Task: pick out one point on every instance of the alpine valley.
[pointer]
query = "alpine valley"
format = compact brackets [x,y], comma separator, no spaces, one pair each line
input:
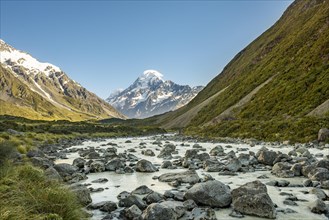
[277,88]
[151,95]
[252,144]
[36,90]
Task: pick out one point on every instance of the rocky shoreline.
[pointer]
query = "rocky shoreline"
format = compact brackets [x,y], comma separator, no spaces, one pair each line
[196,176]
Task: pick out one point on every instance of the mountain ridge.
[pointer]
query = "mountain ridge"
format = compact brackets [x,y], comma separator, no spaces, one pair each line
[294,51]
[31,86]
[150,95]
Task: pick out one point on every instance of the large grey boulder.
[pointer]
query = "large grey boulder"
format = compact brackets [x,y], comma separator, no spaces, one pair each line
[178,207]
[132,200]
[65,170]
[202,214]
[142,190]
[233,165]
[114,164]
[318,206]
[133,212]
[252,199]
[189,176]
[164,211]
[148,152]
[323,134]
[217,151]
[42,162]
[266,157]
[52,174]
[211,193]
[282,169]
[93,155]
[212,165]
[190,154]
[97,166]
[319,174]
[319,193]
[108,206]
[324,163]
[83,194]
[145,166]
[79,162]
[167,151]
[35,153]
[202,157]
[153,197]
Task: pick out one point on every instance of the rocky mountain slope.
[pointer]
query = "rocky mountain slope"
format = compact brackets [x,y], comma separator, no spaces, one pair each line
[37,90]
[151,95]
[275,88]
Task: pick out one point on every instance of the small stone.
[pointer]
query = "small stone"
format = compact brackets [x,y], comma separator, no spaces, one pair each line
[289,202]
[109,207]
[318,206]
[272,183]
[189,204]
[100,180]
[236,214]
[142,190]
[283,183]
[133,212]
[319,193]
[174,183]
[307,183]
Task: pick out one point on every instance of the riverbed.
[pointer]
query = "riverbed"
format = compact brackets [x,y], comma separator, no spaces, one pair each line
[130,181]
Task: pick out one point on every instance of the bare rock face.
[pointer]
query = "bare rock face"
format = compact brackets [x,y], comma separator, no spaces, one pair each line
[252,199]
[211,193]
[323,134]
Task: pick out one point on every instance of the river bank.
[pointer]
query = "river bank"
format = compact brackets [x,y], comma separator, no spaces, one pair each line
[109,167]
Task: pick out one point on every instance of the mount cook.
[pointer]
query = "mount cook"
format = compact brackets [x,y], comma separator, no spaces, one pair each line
[151,95]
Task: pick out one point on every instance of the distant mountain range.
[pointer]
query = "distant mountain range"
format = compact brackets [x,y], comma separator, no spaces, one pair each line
[151,95]
[36,90]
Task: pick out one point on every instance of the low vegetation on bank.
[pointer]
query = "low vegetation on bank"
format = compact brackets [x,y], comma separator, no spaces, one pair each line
[25,192]
[294,130]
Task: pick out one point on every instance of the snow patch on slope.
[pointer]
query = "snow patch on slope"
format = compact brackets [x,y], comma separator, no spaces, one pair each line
[27,61]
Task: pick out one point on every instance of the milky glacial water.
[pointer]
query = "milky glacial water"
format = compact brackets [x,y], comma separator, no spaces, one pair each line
[128,182]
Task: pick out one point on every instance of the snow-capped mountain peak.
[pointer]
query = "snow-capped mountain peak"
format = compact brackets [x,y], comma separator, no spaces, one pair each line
[11,55]
[45,89]
[150,94]
[150,74]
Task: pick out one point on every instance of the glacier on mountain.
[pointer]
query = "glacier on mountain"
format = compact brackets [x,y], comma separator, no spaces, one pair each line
[150,95]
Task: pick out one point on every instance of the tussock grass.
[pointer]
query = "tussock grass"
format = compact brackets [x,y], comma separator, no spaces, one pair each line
[25,192]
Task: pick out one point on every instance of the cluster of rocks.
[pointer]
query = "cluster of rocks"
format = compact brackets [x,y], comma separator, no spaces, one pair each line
[200,201]
[192,197]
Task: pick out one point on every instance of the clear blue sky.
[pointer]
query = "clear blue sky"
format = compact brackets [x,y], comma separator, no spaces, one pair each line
[106,45]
